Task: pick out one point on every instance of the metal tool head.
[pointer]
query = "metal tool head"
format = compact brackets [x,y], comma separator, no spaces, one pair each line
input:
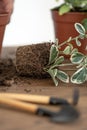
[65,115]
[62,101]
[75,96]
[68,112]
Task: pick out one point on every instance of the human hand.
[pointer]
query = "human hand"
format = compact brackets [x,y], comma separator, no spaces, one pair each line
[6,6]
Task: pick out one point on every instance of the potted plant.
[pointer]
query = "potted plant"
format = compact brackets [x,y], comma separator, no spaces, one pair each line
[76,58]
[4,20]
[64,18]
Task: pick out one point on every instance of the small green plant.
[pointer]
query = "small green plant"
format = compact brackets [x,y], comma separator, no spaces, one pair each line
[72,5]
[57,59]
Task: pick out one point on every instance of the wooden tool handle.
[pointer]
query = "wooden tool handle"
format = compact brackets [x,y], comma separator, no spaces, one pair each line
[30,98]
[18,104]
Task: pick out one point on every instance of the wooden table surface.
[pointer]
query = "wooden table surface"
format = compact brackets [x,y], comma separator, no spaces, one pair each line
[16,120]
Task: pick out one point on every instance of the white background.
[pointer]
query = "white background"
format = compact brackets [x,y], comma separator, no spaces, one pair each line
[31,22]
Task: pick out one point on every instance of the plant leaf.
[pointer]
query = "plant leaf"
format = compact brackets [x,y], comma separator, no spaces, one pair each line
[80,29]
[85,60]
[62,76]
[84,23]
[75,50]
[67,50]
[75,3]
[53,54]
[71,45]
[76,58]
[53,73]
[82,36]
[64,9]
[80,65]
[79,76]
[57,62]
[78,43]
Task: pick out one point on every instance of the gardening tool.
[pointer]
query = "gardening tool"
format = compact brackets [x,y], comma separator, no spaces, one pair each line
[67,113]
[43,99]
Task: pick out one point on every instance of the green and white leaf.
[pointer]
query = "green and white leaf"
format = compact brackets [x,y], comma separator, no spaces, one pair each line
[64,9]
[71,45]
[53,73]
[53,54]
[80,76]
[80,65]
[84,23]
[80,28]
[56,42]
[85,60]
[75,50]
[62,76]
[77,58]
[78,43]
[81,36]
[67,50]
[57,62]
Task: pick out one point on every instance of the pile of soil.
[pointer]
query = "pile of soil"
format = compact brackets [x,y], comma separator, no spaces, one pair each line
[29,62]
[7,72]
[9,75]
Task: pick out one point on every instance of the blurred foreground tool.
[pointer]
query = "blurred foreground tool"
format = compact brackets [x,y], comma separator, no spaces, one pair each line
[67,113]
[42,99]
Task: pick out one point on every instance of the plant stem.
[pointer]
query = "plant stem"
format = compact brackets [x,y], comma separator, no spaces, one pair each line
[68,69]
[67,64]
[65,42]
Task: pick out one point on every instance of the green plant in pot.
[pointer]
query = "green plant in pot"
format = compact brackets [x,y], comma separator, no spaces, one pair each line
[72,6]
[65,16]
[78,59]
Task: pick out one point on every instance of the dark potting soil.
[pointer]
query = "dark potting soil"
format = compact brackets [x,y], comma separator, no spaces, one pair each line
[7,72]
[29,62]
[31,59]
[9,75]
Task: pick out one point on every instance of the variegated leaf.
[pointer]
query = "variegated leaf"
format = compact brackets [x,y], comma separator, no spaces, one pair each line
[53,73]
[57,62]
[77,58]
[62,76]
[67,50]
[75,50]
[79,76]
[78,43]
[80,29]
[53,54]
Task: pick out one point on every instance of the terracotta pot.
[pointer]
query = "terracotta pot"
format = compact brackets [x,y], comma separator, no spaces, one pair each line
[4,19]
[64,27]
